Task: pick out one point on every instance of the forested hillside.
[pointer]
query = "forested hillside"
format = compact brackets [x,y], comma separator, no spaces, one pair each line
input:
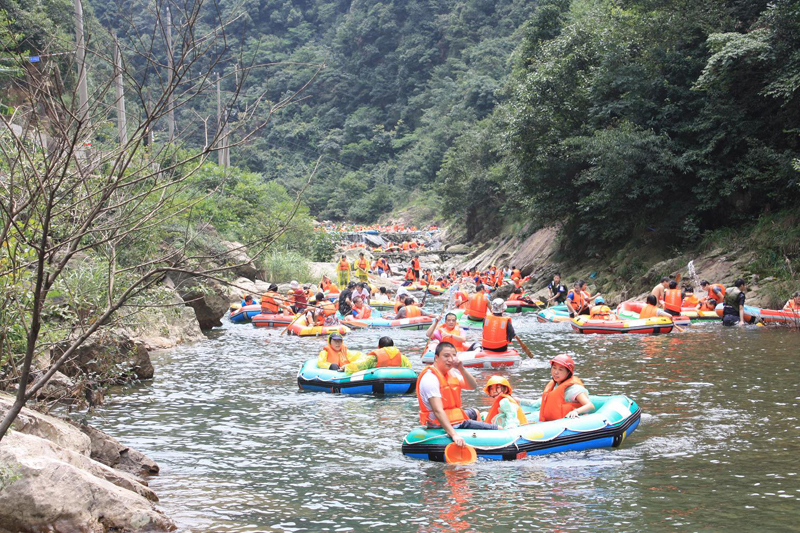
[621,119]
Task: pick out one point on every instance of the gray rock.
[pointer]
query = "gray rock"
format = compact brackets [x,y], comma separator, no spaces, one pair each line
[51,488]
[47,427]
[209,300]
[237,255]
[112,356]
[109,451]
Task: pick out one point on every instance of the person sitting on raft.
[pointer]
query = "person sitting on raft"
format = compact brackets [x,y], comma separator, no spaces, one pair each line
[478,304]
[385,356]
[689,299]
[273,303]
[659,290]
[600,311]
[564,396]
[673,299]
[448,332]
[248,300]
[298,297]
[506,410]
[498,332]
[360,309]
[383,295]
[410,310]
[714,296]
[439,395]
[651,309]
[323,312]
[793,304]
[335,354]
[576,300]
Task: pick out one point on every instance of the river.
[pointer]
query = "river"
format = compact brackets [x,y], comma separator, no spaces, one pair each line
[242,449]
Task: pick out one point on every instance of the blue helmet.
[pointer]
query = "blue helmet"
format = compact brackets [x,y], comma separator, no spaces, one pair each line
[599,300]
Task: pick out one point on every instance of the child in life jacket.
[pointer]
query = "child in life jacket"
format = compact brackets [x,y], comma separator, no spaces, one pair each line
[506,410]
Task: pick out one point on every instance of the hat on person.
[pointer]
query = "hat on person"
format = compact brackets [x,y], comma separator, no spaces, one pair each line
[294,284]
[335,336]
[498,306]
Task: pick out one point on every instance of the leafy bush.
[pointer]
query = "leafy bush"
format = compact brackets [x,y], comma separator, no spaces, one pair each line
[323,247]
[280,266]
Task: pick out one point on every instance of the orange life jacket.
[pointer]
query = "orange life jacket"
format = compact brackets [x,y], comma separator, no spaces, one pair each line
[389,356]
[412,311]
[426,278]
[450,388]
[673,300]
[791,306]
[447,336]
[362,264]
[712,294]
[397,305]
[410,274]
[494,332]
[343,265]
[334,357]
[600,312]
[553,405]
[649,311]
[269,304]
[364,312]
[415,263]
[690,301]
[490,416]
[516,274]
[412,245]
[405,245]
[462,300]
[328,309]
[578,301]
[476,307]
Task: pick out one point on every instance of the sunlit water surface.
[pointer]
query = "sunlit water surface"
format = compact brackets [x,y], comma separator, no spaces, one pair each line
[242,449]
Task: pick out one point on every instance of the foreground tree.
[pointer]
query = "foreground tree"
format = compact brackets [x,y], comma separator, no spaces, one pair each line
[72,189]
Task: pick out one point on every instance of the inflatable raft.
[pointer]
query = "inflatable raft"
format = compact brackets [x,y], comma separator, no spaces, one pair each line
[417,322]
[269,320]
[631,311]
[479,358]
[556,313]
[245,314]
[382,305]
[465,321]
[373,381]
[655,325]
[771,316]
[519,306]
[614,419]
[302,329]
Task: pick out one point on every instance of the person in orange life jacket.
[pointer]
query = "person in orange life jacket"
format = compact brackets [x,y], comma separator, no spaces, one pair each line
[343,271]
[335,354]
[461,300]
[558,291]
[714,295]
[651,309]
[506,410]
[733,310]
[576,300]
[498,332]
[516,274]
[689,299]
[448,332]
[601,311]
[362,267]
[410,310]
[415,266]
[519,295]
[298,297]
[793,304]
[346,299]
[409,277]
[478,304]
[272,302]
[360,309]
[660,289]
[564,396]
[673,299]
[386,355]
[324,312]
[439,395]
[326,285]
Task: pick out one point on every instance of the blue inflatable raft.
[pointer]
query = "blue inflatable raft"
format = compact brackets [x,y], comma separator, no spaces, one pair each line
[245,314]
[614,419]
[386,380]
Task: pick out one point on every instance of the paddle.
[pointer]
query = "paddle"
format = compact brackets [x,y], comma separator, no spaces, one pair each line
[460,455]
[524,347]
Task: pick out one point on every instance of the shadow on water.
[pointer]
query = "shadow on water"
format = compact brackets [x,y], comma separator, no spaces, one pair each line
[242,449]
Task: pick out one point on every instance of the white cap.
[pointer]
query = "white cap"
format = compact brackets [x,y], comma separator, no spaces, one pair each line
[294,284]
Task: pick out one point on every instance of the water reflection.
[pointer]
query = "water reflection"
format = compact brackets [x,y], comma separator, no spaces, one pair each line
[242,449]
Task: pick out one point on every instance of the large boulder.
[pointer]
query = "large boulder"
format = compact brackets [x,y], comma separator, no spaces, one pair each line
[46,487]
[109,451]
[108,357]
[241,263]
[47,427]
[208,298]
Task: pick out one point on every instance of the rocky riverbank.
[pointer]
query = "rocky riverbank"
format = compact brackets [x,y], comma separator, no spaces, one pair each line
[59,476]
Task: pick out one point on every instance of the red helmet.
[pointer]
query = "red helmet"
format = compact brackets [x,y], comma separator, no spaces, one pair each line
[564,360]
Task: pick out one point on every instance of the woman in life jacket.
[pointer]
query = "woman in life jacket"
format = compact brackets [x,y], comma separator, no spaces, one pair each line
[651,309]
[689,299]
[793,304]
[334,355]
[564,396]
[506,410]
[448,332]
[385,356]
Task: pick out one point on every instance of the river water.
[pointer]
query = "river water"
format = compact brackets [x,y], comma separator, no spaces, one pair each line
[242,449]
